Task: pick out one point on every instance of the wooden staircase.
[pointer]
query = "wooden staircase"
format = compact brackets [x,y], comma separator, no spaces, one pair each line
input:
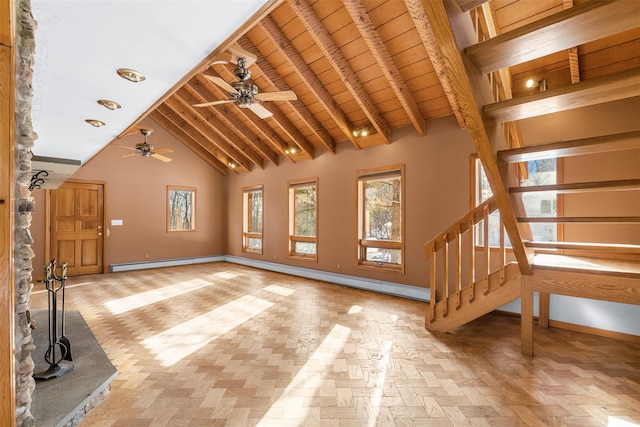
[467,280]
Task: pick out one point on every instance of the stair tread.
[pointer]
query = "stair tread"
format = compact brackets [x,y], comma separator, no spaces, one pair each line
[602,247]
[587,264]
[577,187]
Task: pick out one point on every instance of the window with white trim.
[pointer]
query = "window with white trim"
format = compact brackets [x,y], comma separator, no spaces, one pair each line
[303,219]
[381,218]
[252,207]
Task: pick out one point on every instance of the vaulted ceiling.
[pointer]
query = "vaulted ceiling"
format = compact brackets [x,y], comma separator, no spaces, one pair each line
[366,65]
[375,65]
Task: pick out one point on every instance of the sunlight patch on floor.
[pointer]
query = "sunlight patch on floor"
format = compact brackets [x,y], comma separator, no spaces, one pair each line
[122,305]
[173,345]
[279,290]
[619,422]
[311,378]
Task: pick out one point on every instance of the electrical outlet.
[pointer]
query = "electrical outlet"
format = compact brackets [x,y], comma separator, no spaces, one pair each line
[146,256]
[338,266]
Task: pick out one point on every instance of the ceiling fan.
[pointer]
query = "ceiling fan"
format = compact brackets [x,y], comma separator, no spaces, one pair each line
[147,150]
[245,94]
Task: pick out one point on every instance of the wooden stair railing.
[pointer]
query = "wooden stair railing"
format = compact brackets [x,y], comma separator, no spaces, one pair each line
[455,299]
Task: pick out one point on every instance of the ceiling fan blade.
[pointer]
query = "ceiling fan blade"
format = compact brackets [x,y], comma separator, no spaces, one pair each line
[128,148]
[209,104]
[129,155]
[260,111]
[224,85]
[162,150]
[284,95]
[161,158]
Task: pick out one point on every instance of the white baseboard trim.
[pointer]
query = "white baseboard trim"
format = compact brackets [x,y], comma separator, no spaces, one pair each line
[380,286]
[114,268]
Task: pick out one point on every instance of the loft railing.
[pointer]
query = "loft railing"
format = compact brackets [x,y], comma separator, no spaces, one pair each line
[456,249]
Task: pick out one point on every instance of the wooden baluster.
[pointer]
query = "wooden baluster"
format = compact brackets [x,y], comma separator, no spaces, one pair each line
[458,267]
[432,279]
[472,259]
[503,252]
[487,249]
[445,275]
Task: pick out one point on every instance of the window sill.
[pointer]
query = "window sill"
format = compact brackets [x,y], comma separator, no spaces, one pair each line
[381,268]
[307,258]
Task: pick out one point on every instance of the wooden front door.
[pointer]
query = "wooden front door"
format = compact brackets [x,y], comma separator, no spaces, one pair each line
[77,216]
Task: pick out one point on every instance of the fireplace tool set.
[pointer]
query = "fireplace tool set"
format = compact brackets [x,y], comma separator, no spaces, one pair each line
[58,354]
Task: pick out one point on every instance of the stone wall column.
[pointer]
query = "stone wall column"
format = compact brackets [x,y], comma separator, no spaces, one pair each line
[24,141]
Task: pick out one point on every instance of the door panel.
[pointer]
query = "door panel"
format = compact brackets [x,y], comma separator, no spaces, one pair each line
[76,227]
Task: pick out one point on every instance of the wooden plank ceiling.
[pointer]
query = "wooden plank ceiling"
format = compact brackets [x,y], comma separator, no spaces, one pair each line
[364,64]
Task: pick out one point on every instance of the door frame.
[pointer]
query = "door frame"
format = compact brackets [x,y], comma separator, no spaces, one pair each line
[47,221]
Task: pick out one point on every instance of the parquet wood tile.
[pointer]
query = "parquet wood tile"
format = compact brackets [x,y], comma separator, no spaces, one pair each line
[227,345]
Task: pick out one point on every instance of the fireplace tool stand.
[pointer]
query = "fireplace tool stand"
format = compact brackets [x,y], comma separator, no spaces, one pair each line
[58,354]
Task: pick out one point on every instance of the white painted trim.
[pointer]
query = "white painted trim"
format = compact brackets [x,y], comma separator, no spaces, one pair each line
[380,286]
[114,268]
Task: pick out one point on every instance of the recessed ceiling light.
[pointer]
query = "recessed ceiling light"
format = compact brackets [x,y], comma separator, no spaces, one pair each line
[131,75]
[111,105]
[96,123]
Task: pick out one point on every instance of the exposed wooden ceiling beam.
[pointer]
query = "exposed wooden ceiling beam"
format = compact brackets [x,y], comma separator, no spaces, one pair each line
[176,131]
[289,52]
[341,66]
[592,20]
[173,112]
[416,10]
[273,78]
[236,125]
[434,17]
[588,92]
[189,97]
[377,48]
[208,132]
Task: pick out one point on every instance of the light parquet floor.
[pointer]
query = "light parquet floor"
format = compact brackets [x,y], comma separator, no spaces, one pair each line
[227,345]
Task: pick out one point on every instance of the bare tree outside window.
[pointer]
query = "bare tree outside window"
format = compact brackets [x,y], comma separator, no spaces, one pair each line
[181,208]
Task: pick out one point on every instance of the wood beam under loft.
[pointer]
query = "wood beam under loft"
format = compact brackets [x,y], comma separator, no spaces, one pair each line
[271,30]
[589,92]
[384,60]
[330,50]
[440,33]
[592,20]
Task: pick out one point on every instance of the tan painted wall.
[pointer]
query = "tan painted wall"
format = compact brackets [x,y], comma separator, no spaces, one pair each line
[437,192]
[136,193]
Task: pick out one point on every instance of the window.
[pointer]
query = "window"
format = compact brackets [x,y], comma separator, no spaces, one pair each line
[536,204]
[252,208]
[303,219]
[381,218]
[181,208]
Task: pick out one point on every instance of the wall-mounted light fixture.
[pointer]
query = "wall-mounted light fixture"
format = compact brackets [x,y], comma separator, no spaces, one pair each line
[95,123]
[111,105]
[232,164]
[291,150]
[542,84]
[131,75]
